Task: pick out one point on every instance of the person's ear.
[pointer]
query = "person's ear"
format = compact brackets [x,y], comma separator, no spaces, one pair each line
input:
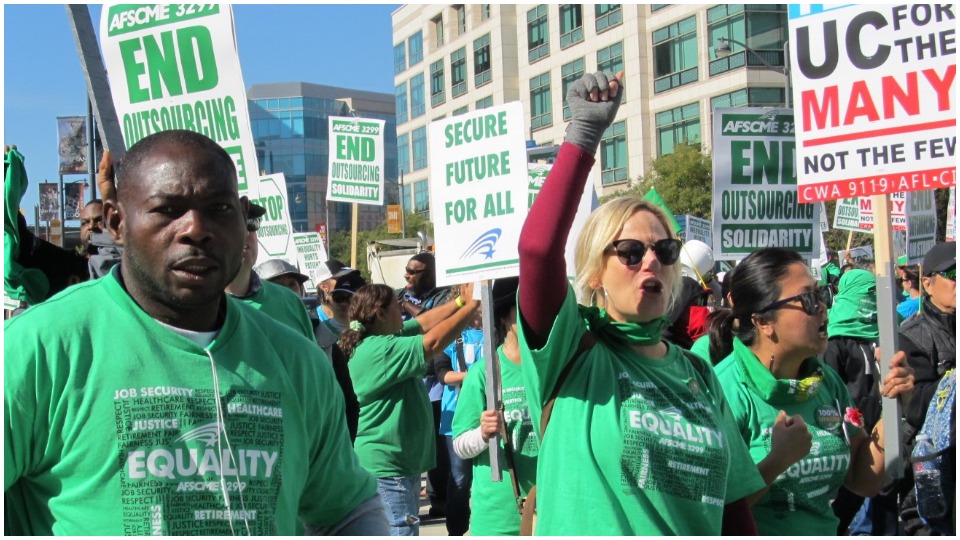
[764,325]
[113,220]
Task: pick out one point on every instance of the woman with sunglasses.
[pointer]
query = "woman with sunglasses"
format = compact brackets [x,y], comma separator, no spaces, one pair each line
[387,361]
[640,439]
[794,412]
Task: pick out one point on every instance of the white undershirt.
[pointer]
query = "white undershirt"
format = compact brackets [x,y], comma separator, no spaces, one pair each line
[200,338]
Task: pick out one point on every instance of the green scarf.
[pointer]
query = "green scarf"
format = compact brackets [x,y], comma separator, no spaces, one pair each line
[778,391]
[643,334]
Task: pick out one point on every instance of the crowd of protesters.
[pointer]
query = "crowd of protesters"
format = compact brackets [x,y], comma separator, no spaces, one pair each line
[279,411]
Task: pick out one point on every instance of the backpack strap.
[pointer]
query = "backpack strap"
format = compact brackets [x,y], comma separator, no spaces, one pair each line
[528,506]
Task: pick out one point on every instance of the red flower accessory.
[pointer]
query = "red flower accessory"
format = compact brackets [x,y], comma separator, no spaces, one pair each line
[854,416]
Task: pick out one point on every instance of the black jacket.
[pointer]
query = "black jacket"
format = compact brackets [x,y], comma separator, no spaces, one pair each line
[929,339]
[853,359]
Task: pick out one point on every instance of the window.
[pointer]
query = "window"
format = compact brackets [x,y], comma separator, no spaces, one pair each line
[420,148]
[418,103]
[750,97]
[676,126]
[437,87]
[613,154]
[570,73]
[421,196]
[657,7]
[484,12]
[481,61]
[403,153]
[405,198]
[399,58]
[675,55]
[462,110]
[611,59]
[608,16]
[438,30]
[458,72]
[538,34]
[415,47]
[541,111]
[571,24]
[484,103]
[461,19]
[401,98]
[763,27]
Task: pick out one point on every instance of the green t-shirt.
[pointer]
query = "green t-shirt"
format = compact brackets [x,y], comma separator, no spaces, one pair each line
[395,435]
[636,446]
[701,347]
[798,501]
[282,305]
[111,423]
[493,508]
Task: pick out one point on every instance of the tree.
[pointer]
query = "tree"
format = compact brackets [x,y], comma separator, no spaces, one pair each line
[340,240]
[684,179]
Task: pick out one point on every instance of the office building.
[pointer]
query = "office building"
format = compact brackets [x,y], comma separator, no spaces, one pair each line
[289,122]
[449,59]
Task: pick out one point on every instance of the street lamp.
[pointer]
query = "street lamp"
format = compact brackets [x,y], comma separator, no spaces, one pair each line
[722,49]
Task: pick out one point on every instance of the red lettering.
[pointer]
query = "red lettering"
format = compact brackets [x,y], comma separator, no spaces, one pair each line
[819,112]
[860,104]
[942,86]
[909,99]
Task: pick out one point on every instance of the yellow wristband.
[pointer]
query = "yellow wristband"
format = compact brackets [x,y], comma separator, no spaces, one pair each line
[459,302]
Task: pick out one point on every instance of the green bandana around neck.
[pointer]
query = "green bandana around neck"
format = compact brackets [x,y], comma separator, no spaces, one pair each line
[643,334]
[778,391]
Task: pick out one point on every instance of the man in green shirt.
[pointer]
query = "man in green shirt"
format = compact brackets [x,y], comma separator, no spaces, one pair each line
[165,406]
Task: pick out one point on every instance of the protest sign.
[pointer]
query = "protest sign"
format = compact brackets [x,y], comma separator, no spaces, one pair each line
[873,87]
[175,66]
[478,192]
[695,228]
[898,216]
[824,222]
[921,224]
[846,216]
[588,202]
[855,254]
[755,201]
[311,256]
[356,160]
[275,235]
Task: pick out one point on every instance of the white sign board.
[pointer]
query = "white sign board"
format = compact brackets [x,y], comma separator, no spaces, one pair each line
[755,201]
[921,224]
[175,66]
[275,235]
[696,228]
[588,203]
[356,160]
[311,255]
[846,216]
[951,232]
[898,215]
[874,92]
[478,192]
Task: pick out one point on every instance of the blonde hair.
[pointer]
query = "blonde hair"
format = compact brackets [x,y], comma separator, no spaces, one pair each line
[601,228]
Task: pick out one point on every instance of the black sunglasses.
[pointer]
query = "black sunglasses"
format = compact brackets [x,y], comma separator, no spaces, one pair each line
[950,273]
[631,252]
[810,301]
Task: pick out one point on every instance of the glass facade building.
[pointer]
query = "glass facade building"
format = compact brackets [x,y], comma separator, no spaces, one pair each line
[289,123]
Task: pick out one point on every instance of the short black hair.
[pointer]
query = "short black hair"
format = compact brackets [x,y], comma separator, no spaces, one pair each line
[134,157]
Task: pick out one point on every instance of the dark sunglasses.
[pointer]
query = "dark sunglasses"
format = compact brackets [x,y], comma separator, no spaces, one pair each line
[413,272]
[950,274]
[631,252]
[341,298]
[810,301]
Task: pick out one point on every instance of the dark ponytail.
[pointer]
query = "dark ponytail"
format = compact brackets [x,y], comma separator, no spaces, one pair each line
[366,307]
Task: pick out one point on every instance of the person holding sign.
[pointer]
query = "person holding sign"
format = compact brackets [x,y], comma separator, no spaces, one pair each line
[387,361]
[641,439]
[794,412]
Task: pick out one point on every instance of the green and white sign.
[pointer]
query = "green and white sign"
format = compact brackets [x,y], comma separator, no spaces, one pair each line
[478,192]
[175,66]
[696,228]
[311,255]
[755,202]
[276,232]
[588,203]
[921,224]
[847,215]
[356,160]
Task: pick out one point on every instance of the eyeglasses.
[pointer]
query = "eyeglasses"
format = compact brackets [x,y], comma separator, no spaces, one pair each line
[950,273]
[413,272]
[631,252]
[810,301]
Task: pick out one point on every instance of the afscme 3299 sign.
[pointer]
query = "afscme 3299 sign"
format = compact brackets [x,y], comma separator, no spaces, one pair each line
[875,89]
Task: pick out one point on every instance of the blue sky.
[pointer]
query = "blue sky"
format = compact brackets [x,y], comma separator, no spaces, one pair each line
[349,46]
